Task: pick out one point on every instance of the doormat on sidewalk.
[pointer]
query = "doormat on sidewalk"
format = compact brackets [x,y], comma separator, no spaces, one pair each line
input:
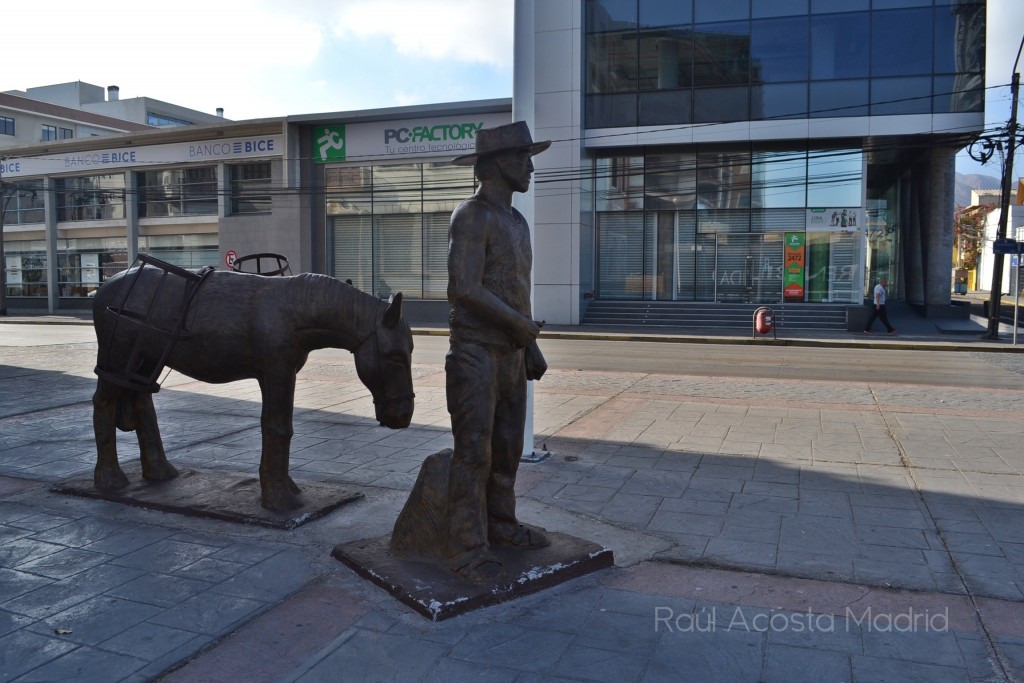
[438,594]
[215,494]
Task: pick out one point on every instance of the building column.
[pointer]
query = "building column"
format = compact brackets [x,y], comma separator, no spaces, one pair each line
[131,214]
[52,257]
[911,220]
[938,230]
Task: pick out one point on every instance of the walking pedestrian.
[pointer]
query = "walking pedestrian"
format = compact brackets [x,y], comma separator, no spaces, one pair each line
[878,310]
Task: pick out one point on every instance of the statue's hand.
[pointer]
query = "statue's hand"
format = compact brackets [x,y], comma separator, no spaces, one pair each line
[525,333]
[536,366]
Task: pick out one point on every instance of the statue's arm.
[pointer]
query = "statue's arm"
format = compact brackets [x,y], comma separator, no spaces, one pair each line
[467,250]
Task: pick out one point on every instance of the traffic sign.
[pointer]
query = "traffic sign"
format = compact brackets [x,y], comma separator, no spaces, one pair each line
[1006,245]
[230,257]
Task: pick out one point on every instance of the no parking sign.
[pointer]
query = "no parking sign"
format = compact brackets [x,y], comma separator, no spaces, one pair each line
[230,256]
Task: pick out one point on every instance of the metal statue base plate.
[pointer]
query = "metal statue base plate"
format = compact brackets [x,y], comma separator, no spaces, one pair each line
[438,594]
[215,494]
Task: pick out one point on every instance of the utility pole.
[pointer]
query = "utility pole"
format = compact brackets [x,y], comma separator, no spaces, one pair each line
[1004,206]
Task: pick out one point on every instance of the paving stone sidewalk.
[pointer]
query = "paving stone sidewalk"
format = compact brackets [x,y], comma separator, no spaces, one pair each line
[775,530]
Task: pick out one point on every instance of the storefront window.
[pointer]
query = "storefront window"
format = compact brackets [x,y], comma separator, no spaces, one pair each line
[250,188]
[90,198]
[187,251]
[26,267]
[620,183]
[713,223]
[178,192]
[23,202]
[84,264]
[387,226]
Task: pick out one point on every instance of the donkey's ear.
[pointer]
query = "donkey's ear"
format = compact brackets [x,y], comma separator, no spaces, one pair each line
[394,311]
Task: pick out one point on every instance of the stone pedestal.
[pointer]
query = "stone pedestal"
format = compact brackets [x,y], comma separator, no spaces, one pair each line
[215,494]
[439,594]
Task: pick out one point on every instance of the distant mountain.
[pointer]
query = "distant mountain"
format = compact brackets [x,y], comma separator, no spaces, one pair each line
[966,183]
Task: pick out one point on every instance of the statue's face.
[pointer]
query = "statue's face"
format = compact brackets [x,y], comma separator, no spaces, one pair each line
[516,168]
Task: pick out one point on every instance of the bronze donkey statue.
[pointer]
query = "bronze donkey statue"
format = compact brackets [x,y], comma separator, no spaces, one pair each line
[236,326]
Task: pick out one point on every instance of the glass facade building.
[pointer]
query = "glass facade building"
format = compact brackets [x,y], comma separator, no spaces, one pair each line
[764,151]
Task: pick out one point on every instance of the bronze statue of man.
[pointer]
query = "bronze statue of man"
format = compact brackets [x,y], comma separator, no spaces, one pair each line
[493,352]
[463,502]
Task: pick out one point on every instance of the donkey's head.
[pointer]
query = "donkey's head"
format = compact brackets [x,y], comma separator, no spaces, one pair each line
[384,364]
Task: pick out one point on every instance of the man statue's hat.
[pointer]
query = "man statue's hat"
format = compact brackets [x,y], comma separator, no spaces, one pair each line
[512,137]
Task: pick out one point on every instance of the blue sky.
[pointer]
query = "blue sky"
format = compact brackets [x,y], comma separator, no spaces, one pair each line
[261,58]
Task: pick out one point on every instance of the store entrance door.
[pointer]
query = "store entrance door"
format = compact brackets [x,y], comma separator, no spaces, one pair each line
[748,268]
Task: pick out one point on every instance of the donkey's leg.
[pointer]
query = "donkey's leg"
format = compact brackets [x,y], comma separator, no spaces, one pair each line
[151,447]
[278,489]
[108,475]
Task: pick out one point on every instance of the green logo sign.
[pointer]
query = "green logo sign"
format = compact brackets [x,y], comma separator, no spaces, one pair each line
[328,143]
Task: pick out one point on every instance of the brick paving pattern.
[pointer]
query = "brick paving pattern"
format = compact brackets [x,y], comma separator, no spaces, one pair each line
[764,530]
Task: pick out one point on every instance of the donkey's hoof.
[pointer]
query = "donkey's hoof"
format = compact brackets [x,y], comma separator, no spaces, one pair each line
[159,472]
[109,478]
[281,498]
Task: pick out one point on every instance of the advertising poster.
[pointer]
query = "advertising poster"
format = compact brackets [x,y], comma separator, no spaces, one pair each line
[794,267]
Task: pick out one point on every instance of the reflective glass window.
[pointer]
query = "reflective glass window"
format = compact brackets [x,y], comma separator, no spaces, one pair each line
[834,178]
[912,95]
[612,62]
[445,185]
[779,50]
[723,179]
[778,101]
[901,42]
[720,10]
[839,98]
[899,4]
[666,107]
[779,179]
[661,13]
[959,39]
[839,46]
[620,183]
[188,251]
[958,93]
[396,189]
[24,202]
[720,105]
[670,181]
[666,59]
[721,54]
[610,15]
[834,6]
[760,9]
[85,263]
[178,192]
[90,198]
[607,111]
[250,187]
[26,267]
